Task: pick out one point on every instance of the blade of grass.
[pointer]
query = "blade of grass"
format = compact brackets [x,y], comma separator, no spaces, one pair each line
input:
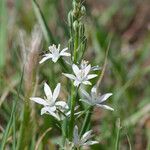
[14,131]
[3,32]
[118,135]
[105,64]
[41,137]
[6,133]
[130,147]
[40,17]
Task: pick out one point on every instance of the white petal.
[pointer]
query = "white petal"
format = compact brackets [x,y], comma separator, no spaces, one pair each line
[62,104]
[86,94]
[86,101]
[58,47]
[52,113]
[45,58]
[70,76]
[94,93]
[75,136]
[65,49]
[52,47]
[76,83]
[104,97]
[94,90]
[47,91]
[55,58]
[56,92]
[87,82]
[68,113]
[43,111]
[90,143]
[87,69]
[91,76]
[39,100]
[105,107]
[65,54]
[47,55]
[76,70]
[86,136]
[94,68]
[47,109]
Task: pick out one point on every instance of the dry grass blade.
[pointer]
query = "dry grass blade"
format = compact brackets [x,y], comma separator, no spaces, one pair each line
[130,147]
[7,90]
[40,17]
[104,66]
[40,139]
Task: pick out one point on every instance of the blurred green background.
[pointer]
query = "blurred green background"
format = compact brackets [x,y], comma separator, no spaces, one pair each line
[127,75]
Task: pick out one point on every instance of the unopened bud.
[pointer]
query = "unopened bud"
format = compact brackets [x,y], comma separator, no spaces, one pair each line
[75,25]
[83,10]
[81,29]
[70,18]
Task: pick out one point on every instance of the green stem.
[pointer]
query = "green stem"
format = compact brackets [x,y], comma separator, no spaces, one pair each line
[118,135]
[86,121]
[14,131]
[73,102]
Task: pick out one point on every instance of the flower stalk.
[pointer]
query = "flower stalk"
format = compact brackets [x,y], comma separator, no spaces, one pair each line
[73,102]
[86,121]
[65,113]
[74,21]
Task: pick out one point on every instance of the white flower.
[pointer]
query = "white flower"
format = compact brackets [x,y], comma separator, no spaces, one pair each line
[84,64]
[96,99]
[55,53]
[81,75]
[84,140]
[49,102]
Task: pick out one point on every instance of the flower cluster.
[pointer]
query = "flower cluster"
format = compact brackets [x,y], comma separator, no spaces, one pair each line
[59,109]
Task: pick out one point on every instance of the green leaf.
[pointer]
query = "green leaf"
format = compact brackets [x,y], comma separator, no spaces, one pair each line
[40,17]
[3,32]
[118,134]
[9,125]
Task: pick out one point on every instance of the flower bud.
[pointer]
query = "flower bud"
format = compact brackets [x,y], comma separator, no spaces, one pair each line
[70,18]
[74,3]
[70,45]
[75,25]
[83,10]
[81,29]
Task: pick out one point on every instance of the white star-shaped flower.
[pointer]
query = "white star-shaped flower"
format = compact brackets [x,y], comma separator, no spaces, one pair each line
[81,75]
[55,53]
[49,101]
[84,140]
[96,99]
